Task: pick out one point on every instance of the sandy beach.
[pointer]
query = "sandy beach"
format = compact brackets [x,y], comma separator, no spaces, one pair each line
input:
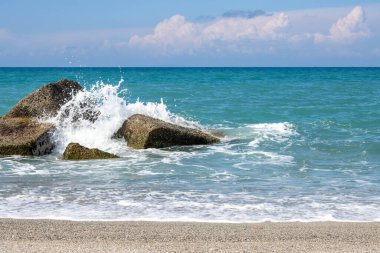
[70,236]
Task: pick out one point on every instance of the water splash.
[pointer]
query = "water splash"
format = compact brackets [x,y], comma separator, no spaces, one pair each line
[93,116]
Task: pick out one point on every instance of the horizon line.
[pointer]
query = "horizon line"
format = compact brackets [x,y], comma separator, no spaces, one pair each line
[4,67]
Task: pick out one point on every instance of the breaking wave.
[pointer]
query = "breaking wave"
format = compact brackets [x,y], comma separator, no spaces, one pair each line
[93,116]
[240,179]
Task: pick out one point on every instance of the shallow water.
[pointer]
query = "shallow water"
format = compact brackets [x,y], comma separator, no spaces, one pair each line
[300,144]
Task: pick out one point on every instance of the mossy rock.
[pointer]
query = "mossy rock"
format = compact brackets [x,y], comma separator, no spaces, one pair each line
[74,151]
[142,132]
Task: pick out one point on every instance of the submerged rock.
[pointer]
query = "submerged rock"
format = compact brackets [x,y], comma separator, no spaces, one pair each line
[74,151]
[46,101]
[143,132]
[24,136]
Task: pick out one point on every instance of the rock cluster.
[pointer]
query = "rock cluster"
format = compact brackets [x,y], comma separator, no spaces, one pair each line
[22,134]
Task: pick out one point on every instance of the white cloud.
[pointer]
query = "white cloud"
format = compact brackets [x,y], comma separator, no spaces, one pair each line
[236,29]
[178,35]
[347,29]
[234,38]
[175,33]
[243,32]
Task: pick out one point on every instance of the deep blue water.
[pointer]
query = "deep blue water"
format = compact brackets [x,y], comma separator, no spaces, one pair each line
[300,144]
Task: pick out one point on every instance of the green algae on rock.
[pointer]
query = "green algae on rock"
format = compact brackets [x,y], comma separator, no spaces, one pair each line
[142,132]
[74,151]
[24,136]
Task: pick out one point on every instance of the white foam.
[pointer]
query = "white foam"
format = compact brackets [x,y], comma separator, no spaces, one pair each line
[188,184]
[259,144]
[23,168]
[107,101]
[223,176]
[276,132]
[148,172]
[180,205]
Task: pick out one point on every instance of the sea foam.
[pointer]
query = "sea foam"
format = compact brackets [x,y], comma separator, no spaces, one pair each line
[264,170]
[93,116]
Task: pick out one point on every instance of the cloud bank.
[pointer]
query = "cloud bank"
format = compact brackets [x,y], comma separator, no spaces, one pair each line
[244,30]
[178,35]
[314,37]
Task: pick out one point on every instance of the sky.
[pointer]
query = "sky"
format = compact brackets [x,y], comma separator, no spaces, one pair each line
[183,33]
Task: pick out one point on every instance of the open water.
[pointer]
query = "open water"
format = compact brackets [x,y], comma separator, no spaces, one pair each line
[299,144]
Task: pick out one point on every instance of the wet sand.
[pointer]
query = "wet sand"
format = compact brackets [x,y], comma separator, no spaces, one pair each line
[18,235]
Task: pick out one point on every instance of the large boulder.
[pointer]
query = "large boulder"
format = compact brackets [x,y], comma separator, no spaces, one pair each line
[143,132]
[46,101]
[23,136]
[74,151]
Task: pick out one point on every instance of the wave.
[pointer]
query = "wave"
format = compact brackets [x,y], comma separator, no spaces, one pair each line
[183,206]
[245,178]
[93,116]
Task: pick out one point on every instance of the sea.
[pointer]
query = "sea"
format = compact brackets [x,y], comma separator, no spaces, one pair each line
[298,144]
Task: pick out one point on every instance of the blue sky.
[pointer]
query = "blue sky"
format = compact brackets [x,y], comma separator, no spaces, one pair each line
[189,33]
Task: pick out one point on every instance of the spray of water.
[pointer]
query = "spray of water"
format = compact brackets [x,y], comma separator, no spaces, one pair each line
[93,116]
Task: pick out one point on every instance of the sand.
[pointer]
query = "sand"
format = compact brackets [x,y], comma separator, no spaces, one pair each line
[18,235]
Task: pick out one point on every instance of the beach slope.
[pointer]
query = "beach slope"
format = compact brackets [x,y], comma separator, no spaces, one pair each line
[19,235]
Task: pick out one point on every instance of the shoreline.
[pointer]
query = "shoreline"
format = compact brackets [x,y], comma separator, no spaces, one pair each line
[42,235]
[67,219]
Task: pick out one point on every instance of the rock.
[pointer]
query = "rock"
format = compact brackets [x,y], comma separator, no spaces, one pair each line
[74,151]
[143,132]
[24,136]
[46,101]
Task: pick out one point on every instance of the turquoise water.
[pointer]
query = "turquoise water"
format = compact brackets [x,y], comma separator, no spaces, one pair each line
[300,144]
